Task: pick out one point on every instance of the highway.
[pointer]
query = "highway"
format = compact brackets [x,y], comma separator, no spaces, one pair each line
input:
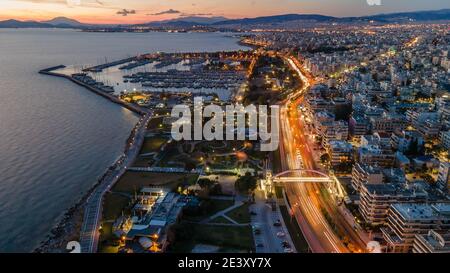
[307,206]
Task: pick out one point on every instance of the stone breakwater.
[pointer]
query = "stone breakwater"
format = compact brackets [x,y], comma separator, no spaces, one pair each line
[68,228]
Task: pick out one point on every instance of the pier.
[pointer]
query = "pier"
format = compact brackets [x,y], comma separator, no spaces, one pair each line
[134,108]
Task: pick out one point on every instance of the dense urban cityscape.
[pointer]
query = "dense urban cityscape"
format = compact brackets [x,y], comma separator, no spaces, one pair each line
[363,128]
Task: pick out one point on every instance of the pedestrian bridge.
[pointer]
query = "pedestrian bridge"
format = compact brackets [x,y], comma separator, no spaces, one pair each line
[300,176]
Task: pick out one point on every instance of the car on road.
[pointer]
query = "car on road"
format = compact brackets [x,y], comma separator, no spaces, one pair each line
[260,245]
[256,229]
[277,223]
[253,213]
[285,244]
[288,250]
[281,234]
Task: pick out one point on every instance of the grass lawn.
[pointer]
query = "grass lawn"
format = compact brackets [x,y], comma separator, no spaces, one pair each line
[106,240]
[240,214]
[171,158]
[113,204]
[294,230]
[134,181]
[220,220]
[218,205]
[143,162]
[235,237]
[213,206]
[108,249]
[152,144]
[155,122]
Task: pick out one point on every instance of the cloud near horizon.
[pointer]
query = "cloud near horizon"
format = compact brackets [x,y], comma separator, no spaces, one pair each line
[126,12]
[169,11]
[105,11]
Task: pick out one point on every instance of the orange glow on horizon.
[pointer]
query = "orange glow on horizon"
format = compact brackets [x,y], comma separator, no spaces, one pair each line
[105,11]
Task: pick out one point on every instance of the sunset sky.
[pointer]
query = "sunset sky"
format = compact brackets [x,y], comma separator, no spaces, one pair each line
[106,11]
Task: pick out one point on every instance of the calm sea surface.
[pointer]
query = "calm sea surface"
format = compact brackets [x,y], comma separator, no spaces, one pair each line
[56,138]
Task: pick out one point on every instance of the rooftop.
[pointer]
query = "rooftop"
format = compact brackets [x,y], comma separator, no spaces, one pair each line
[416,211]
[438,240]
[340,145]
[391,189]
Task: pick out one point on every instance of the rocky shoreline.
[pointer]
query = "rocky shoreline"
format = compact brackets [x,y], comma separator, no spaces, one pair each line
[69,227]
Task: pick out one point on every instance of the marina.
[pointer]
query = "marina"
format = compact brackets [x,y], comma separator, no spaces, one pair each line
[96,87]
[53,136]
[219,74]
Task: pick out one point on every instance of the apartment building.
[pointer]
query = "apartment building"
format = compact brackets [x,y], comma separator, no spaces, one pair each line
[406,220]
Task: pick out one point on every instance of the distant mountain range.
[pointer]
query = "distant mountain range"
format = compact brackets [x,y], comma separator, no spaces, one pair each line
[21,24]
[59,22]
[434,15]
[63,22]
[194,19]
[277,19]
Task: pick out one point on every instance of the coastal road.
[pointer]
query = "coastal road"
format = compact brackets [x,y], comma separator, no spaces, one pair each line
[90,230]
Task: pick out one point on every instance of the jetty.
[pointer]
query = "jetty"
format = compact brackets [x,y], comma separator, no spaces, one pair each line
[99,90]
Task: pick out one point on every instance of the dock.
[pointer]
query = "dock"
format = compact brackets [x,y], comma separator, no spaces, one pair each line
[134,108]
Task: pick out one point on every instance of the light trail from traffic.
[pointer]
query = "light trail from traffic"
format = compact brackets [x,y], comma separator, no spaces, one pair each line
[307,210]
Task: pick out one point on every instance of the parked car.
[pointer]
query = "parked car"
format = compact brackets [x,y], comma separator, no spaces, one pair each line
[288,250]
[277,223]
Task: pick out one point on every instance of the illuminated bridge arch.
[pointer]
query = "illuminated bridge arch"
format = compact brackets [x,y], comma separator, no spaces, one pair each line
[301,176]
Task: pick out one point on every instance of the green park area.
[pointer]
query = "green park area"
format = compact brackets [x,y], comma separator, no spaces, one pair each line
[132,181]
[209,208]
[153,144]
[241,214]
[236,238]
[150,149]
[220,220]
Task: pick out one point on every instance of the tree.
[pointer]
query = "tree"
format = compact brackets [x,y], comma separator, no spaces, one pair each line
[343,112]
[205,183]
[413,147]
[246,183]
[325,158]
[189,166]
